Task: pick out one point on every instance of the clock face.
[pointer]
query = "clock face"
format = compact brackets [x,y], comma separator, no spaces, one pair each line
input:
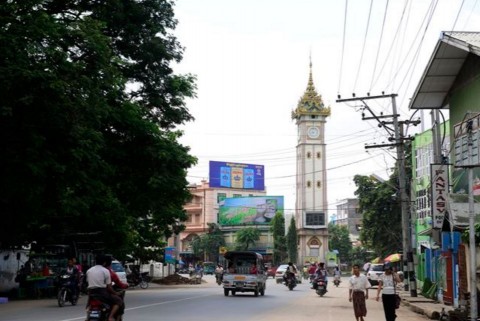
[313,132]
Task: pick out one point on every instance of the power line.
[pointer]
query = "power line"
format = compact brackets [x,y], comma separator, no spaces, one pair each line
[363,47]
[379,44]
[343,46]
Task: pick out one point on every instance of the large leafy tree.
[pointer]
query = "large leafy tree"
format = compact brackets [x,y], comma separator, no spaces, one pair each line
[246,237]
[381,215]
[277,227]
[339,239]
[88,110]
[292,241]
[208,245]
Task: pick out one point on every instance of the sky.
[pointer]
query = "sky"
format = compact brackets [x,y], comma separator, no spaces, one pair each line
[251,59]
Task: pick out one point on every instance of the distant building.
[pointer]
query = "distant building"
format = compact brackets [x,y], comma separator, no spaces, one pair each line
[348,214]
[204,207]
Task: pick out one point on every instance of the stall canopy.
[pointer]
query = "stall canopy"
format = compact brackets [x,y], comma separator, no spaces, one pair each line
[393,258]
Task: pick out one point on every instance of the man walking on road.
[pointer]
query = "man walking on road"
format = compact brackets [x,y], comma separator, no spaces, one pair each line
[358,293]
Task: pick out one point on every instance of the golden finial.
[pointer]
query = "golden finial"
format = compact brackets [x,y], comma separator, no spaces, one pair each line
[311,102]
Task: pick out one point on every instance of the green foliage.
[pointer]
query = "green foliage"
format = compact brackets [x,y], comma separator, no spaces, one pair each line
[466,235]
[208,245]
[88,110]
[246,237]
[277,227]
[381,215]
[339,239]
[292,241]
[359,255]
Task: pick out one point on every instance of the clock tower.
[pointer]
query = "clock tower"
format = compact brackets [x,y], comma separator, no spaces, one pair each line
[311,180]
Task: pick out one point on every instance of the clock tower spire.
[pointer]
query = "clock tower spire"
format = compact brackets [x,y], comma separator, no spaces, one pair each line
[311,182]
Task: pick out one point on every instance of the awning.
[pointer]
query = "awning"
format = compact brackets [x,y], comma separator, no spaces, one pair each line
[448,58]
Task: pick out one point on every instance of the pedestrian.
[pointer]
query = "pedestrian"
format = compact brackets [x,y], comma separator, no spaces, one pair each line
[358,293]
[386,286]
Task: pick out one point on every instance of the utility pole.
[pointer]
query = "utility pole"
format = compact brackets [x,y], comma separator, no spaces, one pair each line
[471,220]
[398,142]
[471,227]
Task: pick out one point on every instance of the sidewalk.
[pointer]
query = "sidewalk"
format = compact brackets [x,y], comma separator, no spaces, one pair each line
[423,305]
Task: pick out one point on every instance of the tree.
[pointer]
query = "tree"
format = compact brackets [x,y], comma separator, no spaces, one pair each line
[339,239]
[277,227]
[292,241]
[88,110]
[246,237]
[380,208]
[208,245]
[360,255]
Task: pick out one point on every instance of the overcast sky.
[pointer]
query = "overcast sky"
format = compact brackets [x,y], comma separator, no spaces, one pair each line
[251,58]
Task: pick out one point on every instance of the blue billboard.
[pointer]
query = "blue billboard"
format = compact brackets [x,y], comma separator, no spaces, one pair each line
[237,175]
[249,210]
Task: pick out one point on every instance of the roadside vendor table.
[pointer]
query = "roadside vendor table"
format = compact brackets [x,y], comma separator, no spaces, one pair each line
[40,286]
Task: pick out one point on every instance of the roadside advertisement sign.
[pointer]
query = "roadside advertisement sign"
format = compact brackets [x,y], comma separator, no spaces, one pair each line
[237,175]
[170,255]
[439,183]
[249,210]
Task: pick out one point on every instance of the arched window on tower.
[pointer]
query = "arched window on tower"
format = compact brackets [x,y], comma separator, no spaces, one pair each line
[319,154]
[309,155]
[309,184]
[314,246]
[319,184]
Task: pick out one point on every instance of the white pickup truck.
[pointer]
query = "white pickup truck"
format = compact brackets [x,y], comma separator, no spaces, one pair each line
[245,272]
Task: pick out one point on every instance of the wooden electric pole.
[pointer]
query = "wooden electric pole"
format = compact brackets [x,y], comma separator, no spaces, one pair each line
[398,142]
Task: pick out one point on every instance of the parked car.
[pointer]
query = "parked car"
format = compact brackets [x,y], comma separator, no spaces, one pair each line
[118,268]
[281,271]
[374,273]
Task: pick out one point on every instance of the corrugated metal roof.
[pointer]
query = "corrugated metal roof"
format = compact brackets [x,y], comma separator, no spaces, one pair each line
[445,63]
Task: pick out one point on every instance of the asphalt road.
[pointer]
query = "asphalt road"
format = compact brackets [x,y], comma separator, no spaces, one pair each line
[207,302]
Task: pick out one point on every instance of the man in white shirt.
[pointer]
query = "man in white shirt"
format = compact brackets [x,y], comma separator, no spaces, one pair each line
[358,292]
[100,285]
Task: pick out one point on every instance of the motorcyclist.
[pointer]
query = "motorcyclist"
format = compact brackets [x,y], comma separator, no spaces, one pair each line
[118,285]
[290,272]
[320,274]
[219,273]
[337,273]
[311,271]
[100,285]
[74,277]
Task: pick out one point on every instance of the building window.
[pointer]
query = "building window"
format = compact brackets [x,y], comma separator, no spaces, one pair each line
[309,184]
[309,155]
[319,184]
[315,218]
[221,197]
[318,154]
[237,195]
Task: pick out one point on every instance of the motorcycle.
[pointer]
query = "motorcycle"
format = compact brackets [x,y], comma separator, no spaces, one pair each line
[97,310]
[290,282]
[336,281]
[136,278]
[65,293]
[219,278]
[321,287]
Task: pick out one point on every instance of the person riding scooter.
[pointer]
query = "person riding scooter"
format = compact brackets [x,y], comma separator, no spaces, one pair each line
[290,273]
[336,276]
[219,274]
[320,274]
[100,286]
